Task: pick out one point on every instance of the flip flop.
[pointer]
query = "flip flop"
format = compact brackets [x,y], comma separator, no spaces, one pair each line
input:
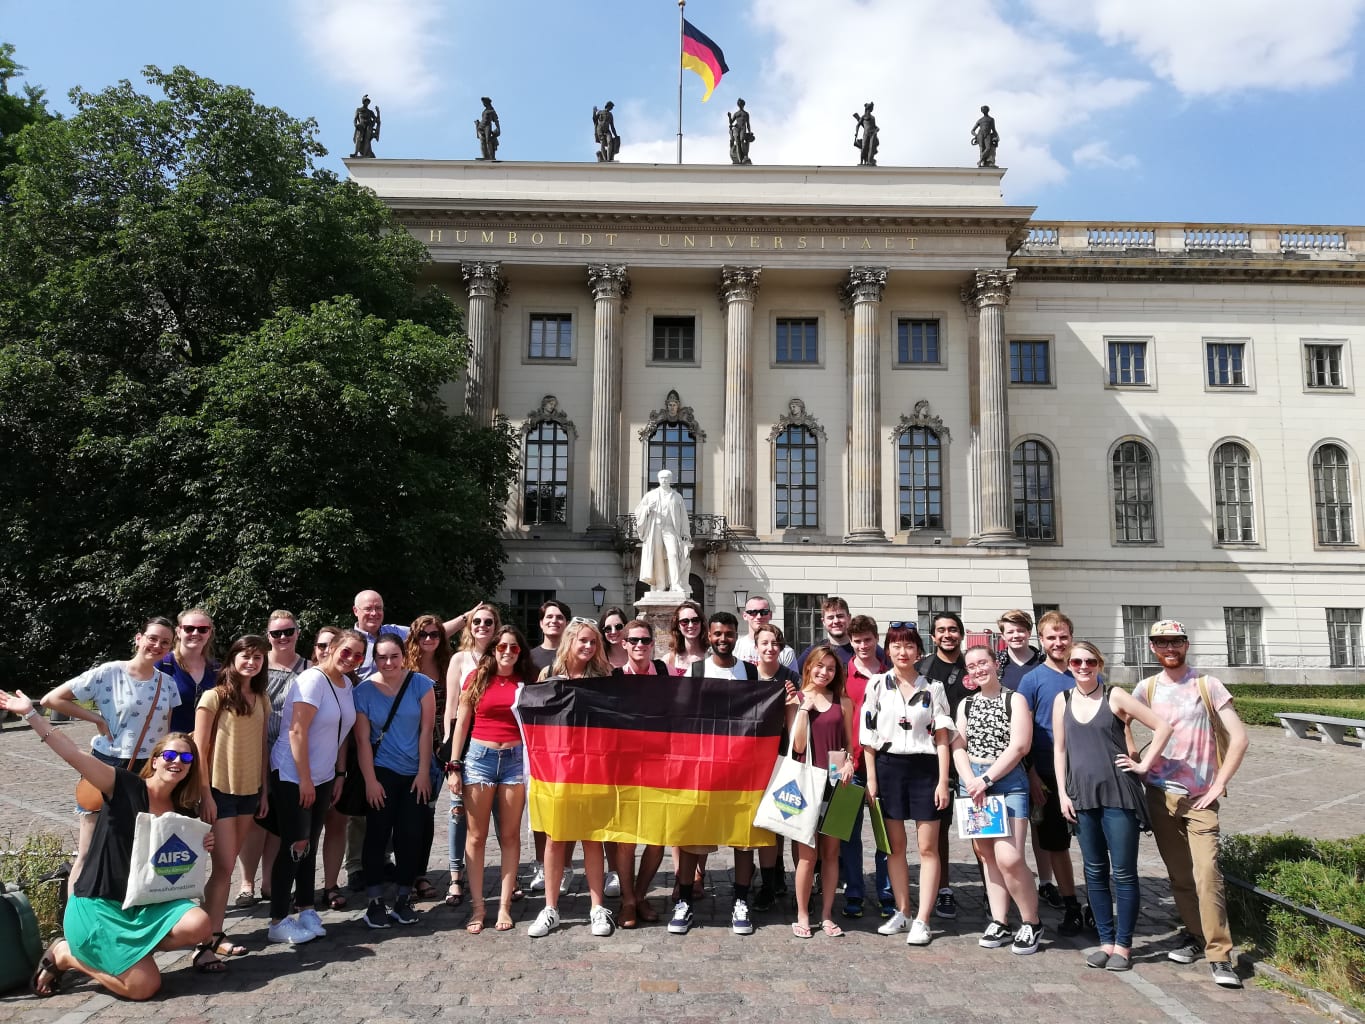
[335,898]
[220,940]
[245,898]
[831,929]
[801,931]
[47,965]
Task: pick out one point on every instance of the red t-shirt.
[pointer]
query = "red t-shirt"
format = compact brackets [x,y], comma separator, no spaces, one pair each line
[855,687]
[493,718]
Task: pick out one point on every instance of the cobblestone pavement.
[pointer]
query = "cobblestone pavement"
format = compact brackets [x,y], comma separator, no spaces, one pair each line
[435,971]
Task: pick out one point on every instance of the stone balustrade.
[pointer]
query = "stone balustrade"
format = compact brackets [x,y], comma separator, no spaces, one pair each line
[1073,237]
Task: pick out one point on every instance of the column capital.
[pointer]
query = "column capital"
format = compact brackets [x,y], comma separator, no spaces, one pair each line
[608,280]
[738,284]
[483,278]
[864,284]
[989,288]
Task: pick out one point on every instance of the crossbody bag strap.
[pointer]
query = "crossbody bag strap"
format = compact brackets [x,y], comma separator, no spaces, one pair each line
[146,722]
[393,710]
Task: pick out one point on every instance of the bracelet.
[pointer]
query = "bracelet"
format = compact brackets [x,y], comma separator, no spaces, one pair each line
[341,774]
[32,713]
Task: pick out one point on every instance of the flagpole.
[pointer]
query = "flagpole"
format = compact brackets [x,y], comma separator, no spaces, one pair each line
[681,4]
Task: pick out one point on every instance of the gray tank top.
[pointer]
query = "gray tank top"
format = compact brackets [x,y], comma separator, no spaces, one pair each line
[1093,781]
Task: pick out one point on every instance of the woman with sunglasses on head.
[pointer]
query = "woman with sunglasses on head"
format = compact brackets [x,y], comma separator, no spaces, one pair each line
[1103,794]
[134,701]
[613,632]
[282,664]
[994,732]
[395,721]
[689,637]
[428,652]
[492,771]
[906,727]
[305,764]
[230,734]
[191,664]
[770,646]
[580,656]
[480,627]
[114,946]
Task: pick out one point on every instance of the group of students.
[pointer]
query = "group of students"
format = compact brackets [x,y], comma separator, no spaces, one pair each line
[262,747]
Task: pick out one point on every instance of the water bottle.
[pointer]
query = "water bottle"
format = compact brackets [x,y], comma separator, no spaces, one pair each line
[456,807]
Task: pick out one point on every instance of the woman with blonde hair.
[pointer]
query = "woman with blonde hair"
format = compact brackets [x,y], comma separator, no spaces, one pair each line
[191,664]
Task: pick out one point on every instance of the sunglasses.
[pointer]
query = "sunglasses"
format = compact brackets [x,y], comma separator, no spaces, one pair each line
[912,626]
[196,629]
[636,641]
[613,629]
[348,654]
[1083,662]
[484,622]
[431,634]
[580,620]
[322,645]
[171,756]
[280,634]
[691,621]
[508,648]
[758,611]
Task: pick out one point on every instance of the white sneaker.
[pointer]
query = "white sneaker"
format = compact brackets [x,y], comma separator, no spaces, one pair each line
[919,934]
[566,881]
[546,922]
[310,920]
[897,922]
[538,879]
[289,930]
[613,886]
[602,924]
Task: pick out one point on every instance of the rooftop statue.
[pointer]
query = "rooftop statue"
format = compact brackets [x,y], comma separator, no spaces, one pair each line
[487,129]
[367,125]
[740,135]
[985,138]
[604,131]
[865,137]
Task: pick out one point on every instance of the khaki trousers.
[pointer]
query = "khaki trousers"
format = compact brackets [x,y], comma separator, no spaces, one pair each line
[1188,842]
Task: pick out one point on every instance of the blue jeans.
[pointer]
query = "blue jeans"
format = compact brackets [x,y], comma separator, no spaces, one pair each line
[851,864]
[1109,845]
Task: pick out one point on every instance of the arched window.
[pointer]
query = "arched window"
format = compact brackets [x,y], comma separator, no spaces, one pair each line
[1034,497]
[1234,508]
[673,446]
[1332,495]
[1134,494]
[545,498]
[796,486]
[919,470]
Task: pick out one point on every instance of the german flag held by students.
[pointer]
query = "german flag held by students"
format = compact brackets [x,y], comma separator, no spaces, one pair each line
[666,760]
[701,55]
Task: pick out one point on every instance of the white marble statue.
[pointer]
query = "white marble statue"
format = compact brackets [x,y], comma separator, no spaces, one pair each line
[665,540]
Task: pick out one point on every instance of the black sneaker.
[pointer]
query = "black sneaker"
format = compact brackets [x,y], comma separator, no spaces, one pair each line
[995,936]
[1051,895]
[945,906]
[764,899]
[1026,939]
[853,908]
[1225,975]
[886,910]
[376,915]
[402,913]
[1187,951]
[1072,921]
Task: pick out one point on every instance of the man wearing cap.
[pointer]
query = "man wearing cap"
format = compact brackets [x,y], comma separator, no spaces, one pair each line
[1183,788]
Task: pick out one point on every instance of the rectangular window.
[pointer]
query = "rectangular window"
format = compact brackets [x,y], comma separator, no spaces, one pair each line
[1138,620]
[797,340]
[927,606]
[796,482]
[1029,363]
[1243,626]
[1343,637]
[802,621]
[551,336]
[675,339]
[1226,363]
[1323,366]
[1128,363]
[1039,610]
[545,496]
[525,612]
[917,342]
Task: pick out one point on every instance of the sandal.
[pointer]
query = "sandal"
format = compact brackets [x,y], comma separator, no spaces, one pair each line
[475,925]
[831,929]
[627,919]
[223,946]
[245,898]
[46,966]
[423,890]
[801,931]
[214,966]
[518,894]
[646,912]
[505,922]
[455,894]
[335,898]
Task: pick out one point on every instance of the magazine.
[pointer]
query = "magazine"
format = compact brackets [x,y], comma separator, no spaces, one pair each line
[989,821]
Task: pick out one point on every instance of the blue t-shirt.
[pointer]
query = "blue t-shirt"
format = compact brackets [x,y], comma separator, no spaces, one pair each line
[1040,688]
[367,666]
[398,751]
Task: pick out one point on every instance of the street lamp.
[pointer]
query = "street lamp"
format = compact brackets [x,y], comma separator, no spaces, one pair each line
[599,596]
[741,597]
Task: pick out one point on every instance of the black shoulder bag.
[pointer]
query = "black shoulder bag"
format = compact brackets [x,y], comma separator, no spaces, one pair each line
[352,800]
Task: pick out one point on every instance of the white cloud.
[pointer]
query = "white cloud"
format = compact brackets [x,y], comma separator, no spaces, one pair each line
[383,47]
[1097,154]
[1208,47]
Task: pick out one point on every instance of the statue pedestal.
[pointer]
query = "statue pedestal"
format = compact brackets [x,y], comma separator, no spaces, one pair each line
[657,608]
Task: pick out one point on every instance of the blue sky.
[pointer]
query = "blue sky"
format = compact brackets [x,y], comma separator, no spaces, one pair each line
[1158,110]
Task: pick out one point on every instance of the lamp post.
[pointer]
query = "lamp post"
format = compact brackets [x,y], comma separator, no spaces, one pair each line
[599,596]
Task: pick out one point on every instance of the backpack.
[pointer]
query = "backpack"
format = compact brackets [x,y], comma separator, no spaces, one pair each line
[19,934]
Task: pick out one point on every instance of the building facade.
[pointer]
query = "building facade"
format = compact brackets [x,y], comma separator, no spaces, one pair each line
[887,384]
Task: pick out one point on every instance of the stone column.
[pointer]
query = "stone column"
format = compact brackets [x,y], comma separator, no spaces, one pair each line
[738,286]
[989,292]
[484,283]
[610,287]
[863,292]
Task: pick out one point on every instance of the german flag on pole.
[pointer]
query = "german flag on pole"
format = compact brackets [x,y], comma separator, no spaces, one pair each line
[701,55]
[666,760]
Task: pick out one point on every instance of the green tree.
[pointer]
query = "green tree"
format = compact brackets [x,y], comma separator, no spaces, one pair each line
[17,111]
[219,383]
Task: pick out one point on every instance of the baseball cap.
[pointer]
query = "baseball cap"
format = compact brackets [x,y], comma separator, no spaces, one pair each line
[1168,627]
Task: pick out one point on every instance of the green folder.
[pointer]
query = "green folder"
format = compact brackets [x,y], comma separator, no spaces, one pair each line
[879,826]
[842,811]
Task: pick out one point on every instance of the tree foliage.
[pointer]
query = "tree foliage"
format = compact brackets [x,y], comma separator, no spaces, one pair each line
[219,383]
[17,111]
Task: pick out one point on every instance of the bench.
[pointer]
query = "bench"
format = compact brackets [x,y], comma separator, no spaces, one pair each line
[1333,730]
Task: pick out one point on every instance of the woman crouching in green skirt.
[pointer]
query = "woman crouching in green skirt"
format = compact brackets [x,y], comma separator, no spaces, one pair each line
[112,945]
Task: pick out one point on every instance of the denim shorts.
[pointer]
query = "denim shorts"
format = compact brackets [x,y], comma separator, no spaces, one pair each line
[489,766]
[230,805]
[1013,787]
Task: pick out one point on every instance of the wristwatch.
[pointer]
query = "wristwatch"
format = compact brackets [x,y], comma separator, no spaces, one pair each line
[987,780]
